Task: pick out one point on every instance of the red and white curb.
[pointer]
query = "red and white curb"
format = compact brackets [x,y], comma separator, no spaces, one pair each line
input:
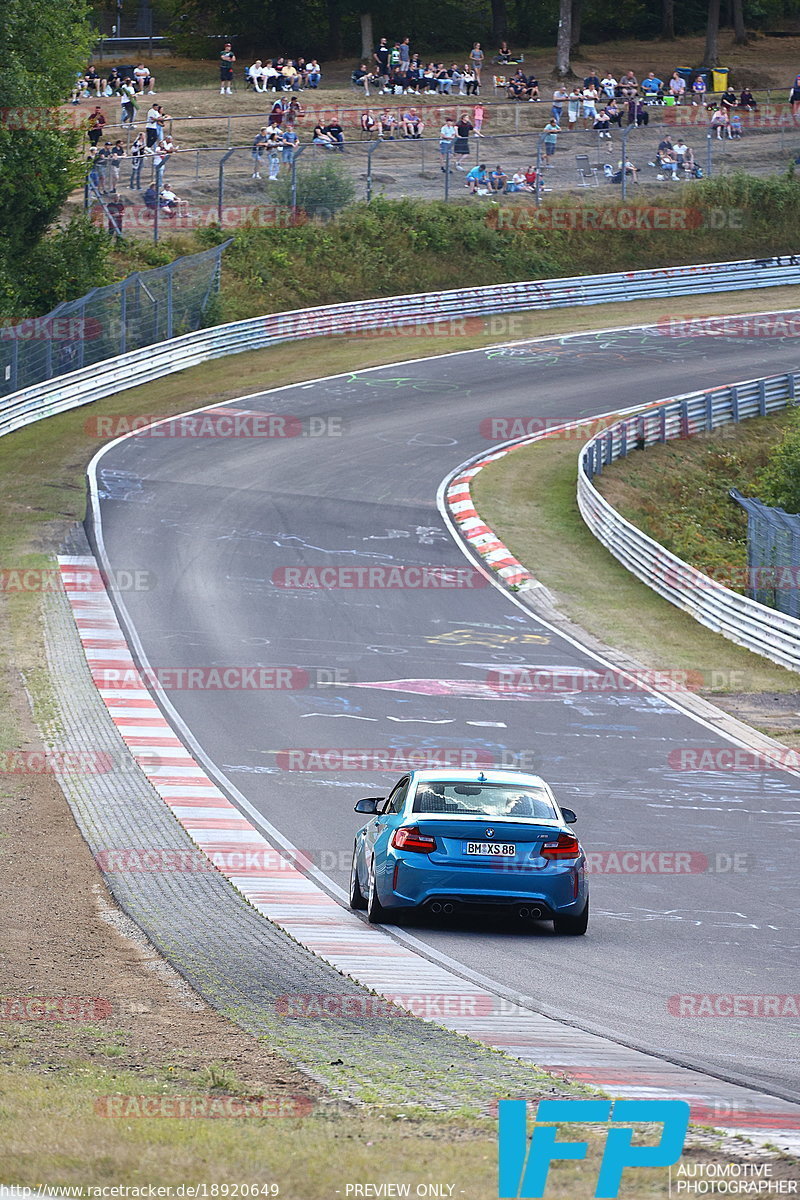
[273,884]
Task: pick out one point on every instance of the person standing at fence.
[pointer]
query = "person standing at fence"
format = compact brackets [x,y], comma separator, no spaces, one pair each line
[227,60]
[291,142]
[574,104]
[447,135]
[258,150]
[551,131]
[127,102]
[96,122]
[274,148]
[794,96]
[153,127]
[478,114]
[137,158]
[461,145]
[560,95]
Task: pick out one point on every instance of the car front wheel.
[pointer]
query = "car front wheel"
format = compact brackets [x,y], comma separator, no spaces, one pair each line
[573,926]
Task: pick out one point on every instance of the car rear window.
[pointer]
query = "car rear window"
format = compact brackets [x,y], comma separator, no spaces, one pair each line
[483,800]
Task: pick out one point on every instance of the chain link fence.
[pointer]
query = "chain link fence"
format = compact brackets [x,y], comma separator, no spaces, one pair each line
[148,307]
[221,184]
[773,555]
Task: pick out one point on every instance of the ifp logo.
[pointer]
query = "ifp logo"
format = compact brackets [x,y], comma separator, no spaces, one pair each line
[523,1167]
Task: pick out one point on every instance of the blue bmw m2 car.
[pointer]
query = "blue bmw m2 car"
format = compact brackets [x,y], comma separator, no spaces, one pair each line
[469,841]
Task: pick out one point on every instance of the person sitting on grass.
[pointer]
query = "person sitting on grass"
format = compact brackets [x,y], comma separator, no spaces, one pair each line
[413,124]
[320,138]
[498,179]
[530,178]
[747,100]
[476,180]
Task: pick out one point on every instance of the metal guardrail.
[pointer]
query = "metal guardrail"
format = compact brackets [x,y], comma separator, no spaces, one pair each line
[755,626]
[125,371]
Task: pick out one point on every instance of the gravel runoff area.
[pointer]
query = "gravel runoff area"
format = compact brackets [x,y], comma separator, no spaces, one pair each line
[236,959]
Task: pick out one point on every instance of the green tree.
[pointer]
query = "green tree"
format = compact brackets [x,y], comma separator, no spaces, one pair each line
[46,43]
[779,482]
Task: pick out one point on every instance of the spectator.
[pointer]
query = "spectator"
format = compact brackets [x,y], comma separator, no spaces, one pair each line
[652,87]
[551,132]
[590,97]
[592,80]
[533,89]
[471,81]
[258,150]
[630,169]
[154,126]
[517,88]
[144,79]
[574,104]
[271,76]
[291,77]
[116,213]
[113,83]
[476,180]
[699,90]
[255,75]
[530,178]
[137,158]
[503,55]
[734,125]
[295,112]
[637,112]
[666,159]
[169,203]
[367,121]
[274,150]
[498,179]
[381,57]
[447,135]
[405,55]
[444,81]
[677,87]
[628,85]
[476,57]
[560,95]
[80,90]
[163,152]
[614,113]
[276,113]
[314,74]
[478,114]
[412,124]
[102,164]
[150,197]
[608,86]
[361,77]
[321,138]
[94,82]
[721,121]
[457,77]
[461,146]
[387,123]
[336,134]
[747,100]
[128,102]
[118,152]
[602,123]
[226,63]
[681,150]
[729,101]
[96,123]
[519,183]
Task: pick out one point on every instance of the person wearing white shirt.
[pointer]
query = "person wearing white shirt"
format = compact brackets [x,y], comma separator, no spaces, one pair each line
[256,76]
[447,135]
[609,85]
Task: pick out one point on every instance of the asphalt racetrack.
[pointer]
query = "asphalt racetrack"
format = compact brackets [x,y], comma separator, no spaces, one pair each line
[218,520]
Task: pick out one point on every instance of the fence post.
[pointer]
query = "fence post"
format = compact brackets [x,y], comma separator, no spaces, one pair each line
[170,273]
[157,211]
[221,184]
[123,318]
[447,171]
[539,144]
[370,153]
[709,155]
[625,134]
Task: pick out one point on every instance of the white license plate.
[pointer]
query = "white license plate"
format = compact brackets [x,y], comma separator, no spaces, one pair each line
[492,849]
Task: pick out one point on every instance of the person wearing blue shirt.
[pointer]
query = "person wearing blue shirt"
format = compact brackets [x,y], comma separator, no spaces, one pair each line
[652,86]
[476,178]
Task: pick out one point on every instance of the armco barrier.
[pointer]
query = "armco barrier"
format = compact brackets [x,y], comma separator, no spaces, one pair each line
[764,630]
[142,366]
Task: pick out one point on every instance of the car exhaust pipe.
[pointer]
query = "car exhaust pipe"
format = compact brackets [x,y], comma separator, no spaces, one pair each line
[436,907]
[448,908]
[526,913]
[535,913]
[523,912]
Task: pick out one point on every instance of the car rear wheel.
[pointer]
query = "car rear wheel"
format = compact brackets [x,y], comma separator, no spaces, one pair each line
[357,900]
[375,910]
[573,926]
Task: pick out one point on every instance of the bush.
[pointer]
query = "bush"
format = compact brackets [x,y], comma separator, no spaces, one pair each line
[779,482]
[322,190]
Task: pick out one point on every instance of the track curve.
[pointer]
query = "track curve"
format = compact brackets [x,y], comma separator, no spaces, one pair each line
[214,518]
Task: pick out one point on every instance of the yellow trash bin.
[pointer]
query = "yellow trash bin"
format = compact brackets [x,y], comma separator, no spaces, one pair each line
[719,79]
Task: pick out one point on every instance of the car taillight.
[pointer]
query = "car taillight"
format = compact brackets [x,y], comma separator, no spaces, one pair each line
[410,837]
[566,847]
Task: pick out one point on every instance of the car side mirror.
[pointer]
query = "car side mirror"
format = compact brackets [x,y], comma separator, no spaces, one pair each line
[369,804]
[569,816]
